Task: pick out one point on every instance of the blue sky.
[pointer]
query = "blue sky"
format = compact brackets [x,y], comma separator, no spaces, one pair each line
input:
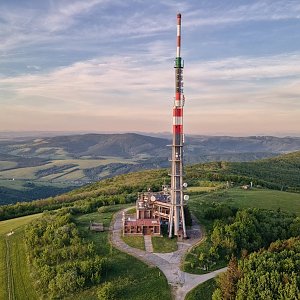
[107,65]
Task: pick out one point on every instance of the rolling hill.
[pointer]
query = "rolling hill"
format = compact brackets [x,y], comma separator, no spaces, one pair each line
[131,145]
[124,188]
[38,167]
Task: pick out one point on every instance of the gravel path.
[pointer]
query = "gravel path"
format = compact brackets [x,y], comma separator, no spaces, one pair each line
[168,263]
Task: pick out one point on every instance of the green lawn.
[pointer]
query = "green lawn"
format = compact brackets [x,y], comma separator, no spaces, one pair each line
[202,291]
[134,241]
[163,244]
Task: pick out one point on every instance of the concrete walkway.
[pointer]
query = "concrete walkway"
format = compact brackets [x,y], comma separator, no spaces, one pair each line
[148,243]
[168,263]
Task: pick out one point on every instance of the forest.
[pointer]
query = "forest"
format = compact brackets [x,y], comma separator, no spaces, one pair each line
[238,232]
[61,260]
[272,273]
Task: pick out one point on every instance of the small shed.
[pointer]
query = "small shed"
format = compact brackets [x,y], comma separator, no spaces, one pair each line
[96,227]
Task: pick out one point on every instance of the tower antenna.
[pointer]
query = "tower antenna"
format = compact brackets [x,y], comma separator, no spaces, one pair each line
[176,218]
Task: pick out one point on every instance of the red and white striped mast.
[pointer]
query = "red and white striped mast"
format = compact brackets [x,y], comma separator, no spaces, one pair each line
[176,220]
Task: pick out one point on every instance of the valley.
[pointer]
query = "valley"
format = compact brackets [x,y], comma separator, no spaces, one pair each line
[39,167]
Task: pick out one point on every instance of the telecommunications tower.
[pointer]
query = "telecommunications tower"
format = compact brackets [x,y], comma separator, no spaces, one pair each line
[176,219]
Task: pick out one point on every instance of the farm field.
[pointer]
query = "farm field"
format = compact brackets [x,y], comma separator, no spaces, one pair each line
[50,178]
[63,168]
[7,165]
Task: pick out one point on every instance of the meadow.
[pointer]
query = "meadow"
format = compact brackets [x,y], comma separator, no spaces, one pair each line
[253,198]
[15,280]
[264,199]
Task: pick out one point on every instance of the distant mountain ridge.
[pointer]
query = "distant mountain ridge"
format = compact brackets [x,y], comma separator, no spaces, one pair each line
[36,167]
[132,145]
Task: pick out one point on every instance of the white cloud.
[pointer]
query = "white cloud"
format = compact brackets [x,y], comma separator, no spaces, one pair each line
[118,87]
[136,84]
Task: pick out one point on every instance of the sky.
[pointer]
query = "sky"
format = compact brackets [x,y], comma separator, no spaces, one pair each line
[107,66]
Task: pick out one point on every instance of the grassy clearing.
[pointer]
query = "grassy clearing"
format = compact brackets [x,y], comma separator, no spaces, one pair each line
[236,197]
[264,199]
[135,241]
[22,283]
[13,261]
[3,270]
[122,266]
[13,266]
[163,244]
[195,189]
[202,291]
[13,224]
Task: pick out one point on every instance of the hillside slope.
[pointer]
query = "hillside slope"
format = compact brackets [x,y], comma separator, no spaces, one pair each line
[38,167]
[281,172]
[131,145]
[124,188]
